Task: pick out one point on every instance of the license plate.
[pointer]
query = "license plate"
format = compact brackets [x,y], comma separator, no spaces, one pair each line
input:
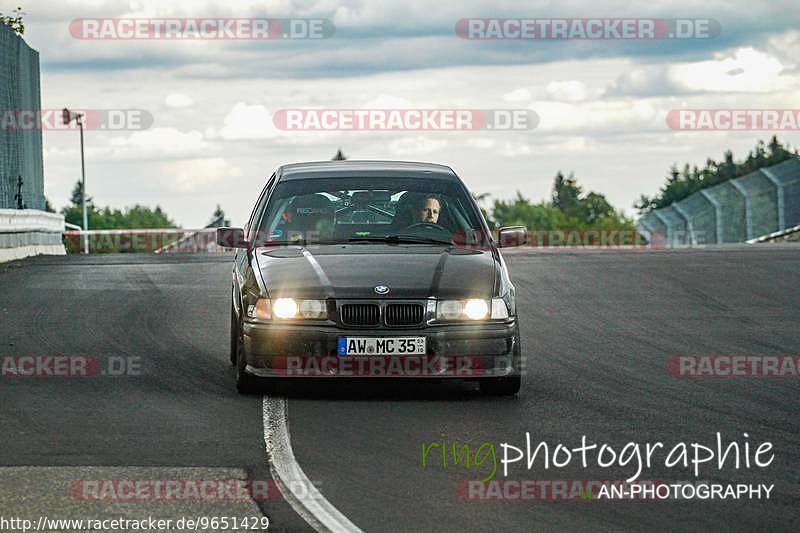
[381,346]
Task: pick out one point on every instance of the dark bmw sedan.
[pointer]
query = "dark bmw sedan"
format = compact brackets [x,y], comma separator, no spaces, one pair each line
[355,269]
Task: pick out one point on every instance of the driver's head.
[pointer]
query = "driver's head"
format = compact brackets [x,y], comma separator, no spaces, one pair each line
[428,209]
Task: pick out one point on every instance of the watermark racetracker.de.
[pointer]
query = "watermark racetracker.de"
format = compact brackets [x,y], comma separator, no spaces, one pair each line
[92,119]
[187,489]
[188,29]
[734,366]
[69,366]
[176,489]
[734,119]
[405,119]
[224,240]
[406,366]
[552,490]
[586,28]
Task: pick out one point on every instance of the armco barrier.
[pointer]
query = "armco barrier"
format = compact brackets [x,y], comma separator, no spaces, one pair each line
[30,232]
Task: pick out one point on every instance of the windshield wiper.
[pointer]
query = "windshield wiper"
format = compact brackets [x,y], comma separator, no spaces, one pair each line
[296,242]
[391,239]
[399,238]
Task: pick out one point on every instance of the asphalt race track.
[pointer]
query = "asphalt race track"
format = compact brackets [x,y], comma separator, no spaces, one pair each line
[597,329]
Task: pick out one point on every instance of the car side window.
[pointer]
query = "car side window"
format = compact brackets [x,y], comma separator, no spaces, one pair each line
[255,216]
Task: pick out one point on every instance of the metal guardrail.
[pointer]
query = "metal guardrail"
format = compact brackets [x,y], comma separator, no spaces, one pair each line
[150,240]
[776,235]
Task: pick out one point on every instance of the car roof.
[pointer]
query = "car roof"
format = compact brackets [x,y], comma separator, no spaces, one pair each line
[354,168]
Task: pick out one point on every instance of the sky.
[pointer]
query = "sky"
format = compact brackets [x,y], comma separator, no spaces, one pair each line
[601,104]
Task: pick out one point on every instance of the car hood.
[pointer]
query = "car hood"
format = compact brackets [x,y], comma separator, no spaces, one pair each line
[354,270]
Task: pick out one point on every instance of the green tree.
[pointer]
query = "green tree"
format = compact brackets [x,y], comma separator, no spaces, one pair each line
[136,217]
[521,212]
[594,208]
[140,216]
[14,21]
[568,210]
[76,198]
[777,152]
[680,185]
[566,193]
[218,217]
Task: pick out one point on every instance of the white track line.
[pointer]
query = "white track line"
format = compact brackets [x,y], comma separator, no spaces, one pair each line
[296,488]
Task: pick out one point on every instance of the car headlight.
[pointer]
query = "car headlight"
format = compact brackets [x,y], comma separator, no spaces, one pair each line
[286,308]
[261,309]
[473,309]
[313,309]
[499,309]
[476,309]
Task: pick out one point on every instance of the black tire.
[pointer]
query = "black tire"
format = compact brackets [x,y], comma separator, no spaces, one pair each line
[234,335]
[245,383]
[506,386]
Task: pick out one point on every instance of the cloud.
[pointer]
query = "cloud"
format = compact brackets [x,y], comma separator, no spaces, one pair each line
[515,149]
[419,144]
[193,175]
[395,35]
[599,117]
[248,122]
[567,91]
[178,100]
[595,99]
[746,70]
[518,95]
[786,48]
[481,143]
[388,101]
[643,81]
[156,143]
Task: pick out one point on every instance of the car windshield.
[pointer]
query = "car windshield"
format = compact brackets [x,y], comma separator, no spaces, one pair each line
[321,210]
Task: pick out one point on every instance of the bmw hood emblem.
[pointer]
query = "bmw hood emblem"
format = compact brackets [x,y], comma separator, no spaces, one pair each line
[381,289]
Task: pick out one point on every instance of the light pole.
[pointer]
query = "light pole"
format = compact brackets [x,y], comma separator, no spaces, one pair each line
[68,117]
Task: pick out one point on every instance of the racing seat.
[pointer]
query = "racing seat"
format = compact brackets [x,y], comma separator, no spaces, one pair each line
[309,217]
[403,212]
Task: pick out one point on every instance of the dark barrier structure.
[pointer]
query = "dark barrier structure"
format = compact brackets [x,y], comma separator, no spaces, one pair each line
[744,209]
[21,167]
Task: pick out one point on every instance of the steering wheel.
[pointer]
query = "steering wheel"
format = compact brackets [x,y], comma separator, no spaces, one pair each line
[428,225]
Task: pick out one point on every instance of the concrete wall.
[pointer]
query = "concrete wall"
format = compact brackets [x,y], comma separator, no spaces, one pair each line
[30,232]
[20,151]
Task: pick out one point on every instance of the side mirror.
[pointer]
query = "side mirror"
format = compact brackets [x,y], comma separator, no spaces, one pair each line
[512,236]
[231,238]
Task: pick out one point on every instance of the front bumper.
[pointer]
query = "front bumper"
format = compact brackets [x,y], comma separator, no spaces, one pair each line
[455,351]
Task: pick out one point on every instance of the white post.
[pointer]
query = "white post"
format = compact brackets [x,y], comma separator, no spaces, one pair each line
[83,193]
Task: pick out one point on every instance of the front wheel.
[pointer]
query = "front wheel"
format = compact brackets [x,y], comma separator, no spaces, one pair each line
[505,386]
[234,335]
[245,383]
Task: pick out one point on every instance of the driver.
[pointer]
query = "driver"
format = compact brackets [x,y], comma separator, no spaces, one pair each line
[427,210]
